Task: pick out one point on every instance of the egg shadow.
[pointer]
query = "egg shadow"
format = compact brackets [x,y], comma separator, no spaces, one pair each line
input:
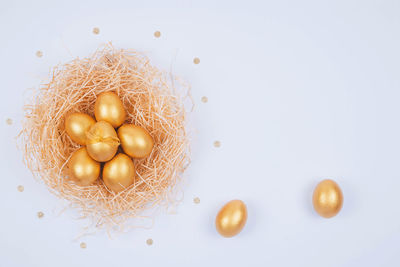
[307,198]
[210,221]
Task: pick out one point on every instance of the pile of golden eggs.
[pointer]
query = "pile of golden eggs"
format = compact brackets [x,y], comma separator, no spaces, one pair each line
[101,139]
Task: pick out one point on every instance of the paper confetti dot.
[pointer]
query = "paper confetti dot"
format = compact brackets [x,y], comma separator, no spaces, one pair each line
[196,200]
[83,245]
[196,60]
[204,99]
[149,241]
[9,121]
[20,188]
[39,53]
[217,143]
[157,34]
[40,214]
[96,30]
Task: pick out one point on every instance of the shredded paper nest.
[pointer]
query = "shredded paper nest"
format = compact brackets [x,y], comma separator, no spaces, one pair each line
[153,99]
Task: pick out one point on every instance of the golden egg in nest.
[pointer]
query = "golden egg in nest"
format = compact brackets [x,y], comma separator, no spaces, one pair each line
[135,140]
[119,173]
[82,168]
[102,141]
[77,125]
[108,107]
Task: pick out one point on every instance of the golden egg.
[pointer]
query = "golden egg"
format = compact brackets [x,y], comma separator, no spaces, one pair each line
[109,108]
[327,198]
[119,173]
[76,126]
[135,140]
[102,141]
[231,218]
[82,168]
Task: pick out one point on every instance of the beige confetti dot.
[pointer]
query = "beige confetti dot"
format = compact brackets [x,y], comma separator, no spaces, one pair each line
[9,121]
[20,188]
[217,143]
[196,60]
[204,99]
[40,214]
[39,53]
[157,34]
[96,30]
[83,245]
[196,200]
[149,241]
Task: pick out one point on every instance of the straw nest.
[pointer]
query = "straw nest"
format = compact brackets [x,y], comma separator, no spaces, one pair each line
[153,99]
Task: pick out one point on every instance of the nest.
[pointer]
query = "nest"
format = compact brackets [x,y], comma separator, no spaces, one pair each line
[152,99]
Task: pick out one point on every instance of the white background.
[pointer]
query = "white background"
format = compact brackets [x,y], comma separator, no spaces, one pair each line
[298,91]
